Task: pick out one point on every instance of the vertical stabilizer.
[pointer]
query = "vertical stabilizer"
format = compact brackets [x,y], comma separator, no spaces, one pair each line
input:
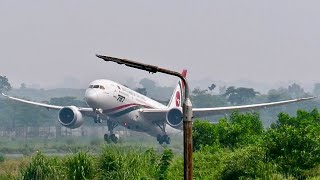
[178,93]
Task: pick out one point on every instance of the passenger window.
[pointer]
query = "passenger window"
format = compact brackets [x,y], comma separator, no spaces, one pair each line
[101,87]
[96,86]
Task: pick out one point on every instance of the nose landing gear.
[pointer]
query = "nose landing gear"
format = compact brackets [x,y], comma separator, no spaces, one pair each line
[97,119]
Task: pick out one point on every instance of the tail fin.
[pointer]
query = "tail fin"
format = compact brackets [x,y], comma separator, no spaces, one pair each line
[176,98]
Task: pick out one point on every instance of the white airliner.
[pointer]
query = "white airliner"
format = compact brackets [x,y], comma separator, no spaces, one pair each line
[119,105]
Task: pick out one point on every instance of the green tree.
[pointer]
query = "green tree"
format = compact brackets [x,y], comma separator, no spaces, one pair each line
[4,84]
[278,94]
[204,134]
[197,91]
[208,100]
[239,95]
[212,87]
[240,130]
[293,142]
[237,131]
[296,90]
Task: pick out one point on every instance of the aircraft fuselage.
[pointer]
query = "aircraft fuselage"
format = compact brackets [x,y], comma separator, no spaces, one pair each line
[121,105]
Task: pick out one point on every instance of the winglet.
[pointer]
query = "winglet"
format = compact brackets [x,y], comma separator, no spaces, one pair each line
[4,95]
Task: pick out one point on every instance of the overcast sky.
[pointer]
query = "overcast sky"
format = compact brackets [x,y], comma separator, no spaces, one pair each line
[53,42]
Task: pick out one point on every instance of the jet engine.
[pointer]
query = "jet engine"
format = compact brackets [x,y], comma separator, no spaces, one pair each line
[70,117]
[174,117]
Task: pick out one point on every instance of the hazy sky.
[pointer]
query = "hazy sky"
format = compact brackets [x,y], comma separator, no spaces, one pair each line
[53,42]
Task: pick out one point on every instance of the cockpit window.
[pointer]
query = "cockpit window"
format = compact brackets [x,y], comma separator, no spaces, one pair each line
[97,87]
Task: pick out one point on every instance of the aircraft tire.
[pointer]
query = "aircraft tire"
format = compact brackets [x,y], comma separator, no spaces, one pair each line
[106,137]
[114,138]
[168,140]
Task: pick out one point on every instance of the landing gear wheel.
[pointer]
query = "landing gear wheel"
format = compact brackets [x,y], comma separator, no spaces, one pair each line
[106,137]
[165,138]
[114,138]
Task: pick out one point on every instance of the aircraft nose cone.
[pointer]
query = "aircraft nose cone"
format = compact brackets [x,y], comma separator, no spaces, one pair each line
[91,98]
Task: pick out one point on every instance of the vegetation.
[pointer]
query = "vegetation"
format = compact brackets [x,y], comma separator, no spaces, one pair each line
[239,146]
[290,147]
[4,84]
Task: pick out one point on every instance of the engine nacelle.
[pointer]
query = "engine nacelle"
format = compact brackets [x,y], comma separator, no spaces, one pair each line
[70,117]
[174,117]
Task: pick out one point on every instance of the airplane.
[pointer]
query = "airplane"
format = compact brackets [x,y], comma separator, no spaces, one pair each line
[119,105]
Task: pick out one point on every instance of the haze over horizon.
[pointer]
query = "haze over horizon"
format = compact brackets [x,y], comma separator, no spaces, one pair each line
[54,43]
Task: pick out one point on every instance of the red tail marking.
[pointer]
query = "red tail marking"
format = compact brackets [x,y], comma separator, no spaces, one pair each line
[184,73]
[178,99]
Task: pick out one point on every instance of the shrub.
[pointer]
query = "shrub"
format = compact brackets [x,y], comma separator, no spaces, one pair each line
[248,163]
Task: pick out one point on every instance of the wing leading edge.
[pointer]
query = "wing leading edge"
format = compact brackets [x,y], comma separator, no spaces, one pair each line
[48,106]
[202,112]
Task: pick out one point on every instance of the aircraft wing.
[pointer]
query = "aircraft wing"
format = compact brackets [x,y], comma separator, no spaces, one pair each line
[48,106]
[202,112]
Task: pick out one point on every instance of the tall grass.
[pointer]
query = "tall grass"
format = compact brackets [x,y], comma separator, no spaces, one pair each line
[113,162]
[40,167]
[116,162]
[79,166]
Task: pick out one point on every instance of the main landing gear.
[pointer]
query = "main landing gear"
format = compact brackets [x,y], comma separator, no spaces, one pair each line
[163,138]
[112,137]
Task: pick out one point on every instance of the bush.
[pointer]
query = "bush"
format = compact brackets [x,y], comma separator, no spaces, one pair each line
[247,163]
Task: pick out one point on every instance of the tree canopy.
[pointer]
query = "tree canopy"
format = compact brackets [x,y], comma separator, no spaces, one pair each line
[4,84]
[239,95]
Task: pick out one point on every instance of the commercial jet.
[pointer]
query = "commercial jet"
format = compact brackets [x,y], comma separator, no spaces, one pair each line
[118,105]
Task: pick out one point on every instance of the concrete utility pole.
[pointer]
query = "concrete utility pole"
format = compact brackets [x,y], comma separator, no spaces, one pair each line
[186,108]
